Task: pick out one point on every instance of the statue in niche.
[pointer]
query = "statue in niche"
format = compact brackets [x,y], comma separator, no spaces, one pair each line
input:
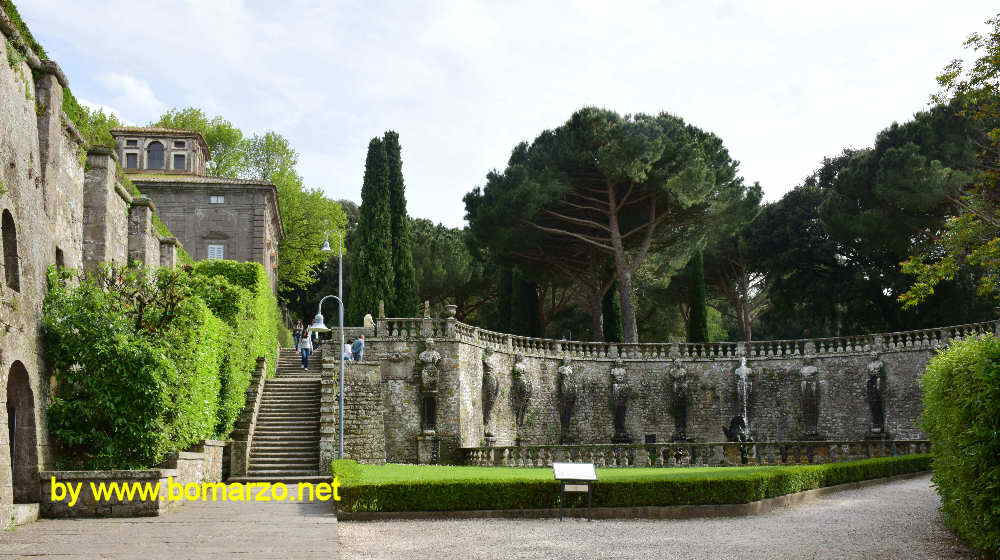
[739,427]
[680,395]
[429,360]
[620,395]
[810,384]
[875,395]
[520,389]
[567,398]
[491,387]
[427,309]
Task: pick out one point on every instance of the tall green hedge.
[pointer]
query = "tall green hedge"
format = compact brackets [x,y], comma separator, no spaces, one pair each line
[149,363]
[240,294]
[961,389]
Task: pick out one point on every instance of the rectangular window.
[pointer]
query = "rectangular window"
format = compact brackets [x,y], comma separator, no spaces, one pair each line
[179,163]
[131,142]
[179,144]
[132,161]
[216,251]
[216,199]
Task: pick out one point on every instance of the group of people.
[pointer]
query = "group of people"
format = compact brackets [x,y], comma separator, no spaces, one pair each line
[354,349]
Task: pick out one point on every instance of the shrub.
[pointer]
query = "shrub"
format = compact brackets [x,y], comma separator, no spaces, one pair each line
[144,367]
[240,294]
[507,488]
[961,389]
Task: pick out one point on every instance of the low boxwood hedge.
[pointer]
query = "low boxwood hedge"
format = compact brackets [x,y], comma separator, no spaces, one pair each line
[501,488]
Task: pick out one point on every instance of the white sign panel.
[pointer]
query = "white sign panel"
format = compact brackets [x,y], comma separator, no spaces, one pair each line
[574,471]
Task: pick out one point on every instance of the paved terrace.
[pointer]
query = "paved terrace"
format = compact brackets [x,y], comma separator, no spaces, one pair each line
[202,530]
[897,520]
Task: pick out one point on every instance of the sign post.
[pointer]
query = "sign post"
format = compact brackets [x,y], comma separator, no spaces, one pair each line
[575,477]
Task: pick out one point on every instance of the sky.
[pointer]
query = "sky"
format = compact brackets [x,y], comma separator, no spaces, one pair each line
[784,84]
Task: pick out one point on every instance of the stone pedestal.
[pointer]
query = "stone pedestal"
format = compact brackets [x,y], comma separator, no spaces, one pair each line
[428,448]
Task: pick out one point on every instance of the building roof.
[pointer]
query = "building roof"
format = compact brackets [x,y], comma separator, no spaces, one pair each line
[162,131]
[195,179]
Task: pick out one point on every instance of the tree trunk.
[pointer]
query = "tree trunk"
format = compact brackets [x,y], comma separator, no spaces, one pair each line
[596,322]
[630,334]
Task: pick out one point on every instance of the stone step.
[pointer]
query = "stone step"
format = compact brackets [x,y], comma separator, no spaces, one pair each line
[312,479]
[283,462]
[299,416]
[282,472]
[293,449]
[289,438]
[310,408]
[276,455]
[294,424]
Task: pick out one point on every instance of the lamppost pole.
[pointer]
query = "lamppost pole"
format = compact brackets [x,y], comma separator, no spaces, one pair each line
[318,325]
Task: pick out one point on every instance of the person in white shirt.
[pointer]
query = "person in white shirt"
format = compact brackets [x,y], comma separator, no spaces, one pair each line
[305,348]
[347,351]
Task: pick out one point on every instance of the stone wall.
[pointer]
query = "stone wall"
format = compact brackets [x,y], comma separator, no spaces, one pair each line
[813,389]
[202,464]
[364,428]
[61,206]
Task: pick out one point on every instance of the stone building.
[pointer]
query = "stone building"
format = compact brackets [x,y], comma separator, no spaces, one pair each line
[213,217]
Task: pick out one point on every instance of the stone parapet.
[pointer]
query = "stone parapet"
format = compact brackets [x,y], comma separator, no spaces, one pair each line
[719,454]
[239,446]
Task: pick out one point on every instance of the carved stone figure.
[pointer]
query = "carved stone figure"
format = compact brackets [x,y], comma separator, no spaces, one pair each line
[620,395]
[875,394]
[428,363]
[368,321]
[381,309]
[738,430]
[811,394]
[567,398]
[680,395]
[742,375]
[491,387]
[520,389]
[427,309]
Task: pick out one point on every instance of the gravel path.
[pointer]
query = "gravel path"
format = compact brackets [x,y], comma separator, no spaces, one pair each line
[897,520]
[201,530]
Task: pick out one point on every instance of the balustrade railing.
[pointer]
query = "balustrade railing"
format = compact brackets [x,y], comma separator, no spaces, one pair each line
[416,328]
[719,454]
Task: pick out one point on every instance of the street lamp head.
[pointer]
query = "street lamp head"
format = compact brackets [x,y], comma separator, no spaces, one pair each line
[318,324]
[326,245]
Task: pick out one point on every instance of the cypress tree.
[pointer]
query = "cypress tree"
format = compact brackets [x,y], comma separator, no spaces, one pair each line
[371,253]
[406,301]
[697,294]
[611,313]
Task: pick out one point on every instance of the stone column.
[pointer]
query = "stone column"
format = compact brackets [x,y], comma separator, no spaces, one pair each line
[140,233]
[168,252]
[329,435]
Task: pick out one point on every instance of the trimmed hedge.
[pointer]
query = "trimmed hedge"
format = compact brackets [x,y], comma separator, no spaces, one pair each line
[616,487]
[147,366]
[961,391]
[239,294]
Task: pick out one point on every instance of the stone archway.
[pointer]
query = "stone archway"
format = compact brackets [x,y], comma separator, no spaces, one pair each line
[21,430]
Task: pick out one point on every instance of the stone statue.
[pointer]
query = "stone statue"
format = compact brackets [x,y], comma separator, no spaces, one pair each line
[567,398]
[428,360]
[620,395]
[810,384]
[875,394]
[369,322]
[520,389]
[679,400]
[381,309]
[491,386]
[427,309]
[739,426]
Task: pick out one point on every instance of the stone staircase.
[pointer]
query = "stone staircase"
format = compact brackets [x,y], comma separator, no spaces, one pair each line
[285,442]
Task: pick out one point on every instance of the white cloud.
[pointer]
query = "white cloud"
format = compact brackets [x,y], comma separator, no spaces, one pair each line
[784,84]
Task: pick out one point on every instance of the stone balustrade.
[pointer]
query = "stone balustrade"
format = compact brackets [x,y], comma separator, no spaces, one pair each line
[416,328]
[719,454]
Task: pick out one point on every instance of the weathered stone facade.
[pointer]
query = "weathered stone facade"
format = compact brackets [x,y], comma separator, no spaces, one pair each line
[59,205]
[795,390]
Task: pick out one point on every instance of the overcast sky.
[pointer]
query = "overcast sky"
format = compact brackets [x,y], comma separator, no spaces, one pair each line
[782,83]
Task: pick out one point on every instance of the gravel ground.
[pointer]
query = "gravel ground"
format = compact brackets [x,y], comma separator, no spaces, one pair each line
[897,520]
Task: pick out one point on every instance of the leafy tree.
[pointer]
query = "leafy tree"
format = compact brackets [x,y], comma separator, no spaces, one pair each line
[225,142]
[372,277]
[970,239]
[404,302]
[447,272]
[605,186]
[698,319]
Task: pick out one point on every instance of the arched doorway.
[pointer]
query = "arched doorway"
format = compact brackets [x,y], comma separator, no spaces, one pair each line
[21,430]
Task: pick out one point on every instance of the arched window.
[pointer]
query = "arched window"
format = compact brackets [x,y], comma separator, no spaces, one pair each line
[11,267]
[154,155]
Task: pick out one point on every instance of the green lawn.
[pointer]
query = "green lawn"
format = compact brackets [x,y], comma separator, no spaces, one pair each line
[390,473]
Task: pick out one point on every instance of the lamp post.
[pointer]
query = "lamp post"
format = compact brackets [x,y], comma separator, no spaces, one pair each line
[320,326]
